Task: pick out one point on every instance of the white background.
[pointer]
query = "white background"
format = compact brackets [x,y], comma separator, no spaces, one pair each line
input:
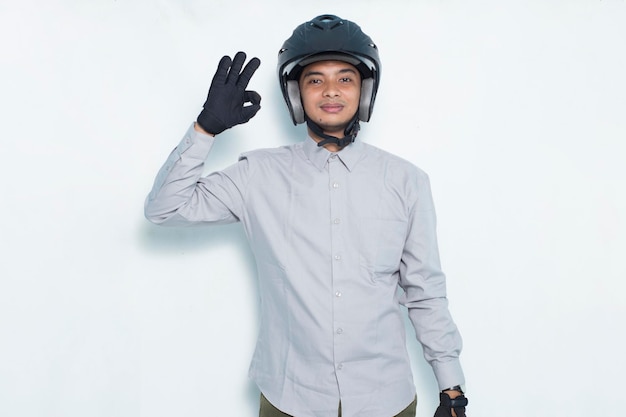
[516,109]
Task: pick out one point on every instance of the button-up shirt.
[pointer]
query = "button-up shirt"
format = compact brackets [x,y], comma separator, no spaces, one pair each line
[342,241]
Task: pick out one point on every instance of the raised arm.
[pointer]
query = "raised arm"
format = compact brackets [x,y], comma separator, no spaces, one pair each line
[179,194]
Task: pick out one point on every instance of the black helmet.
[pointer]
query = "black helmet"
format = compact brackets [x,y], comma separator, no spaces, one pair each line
[328,37]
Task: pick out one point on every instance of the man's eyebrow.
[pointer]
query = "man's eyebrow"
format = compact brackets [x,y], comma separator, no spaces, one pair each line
[319,73]
[310,73]
[344,70]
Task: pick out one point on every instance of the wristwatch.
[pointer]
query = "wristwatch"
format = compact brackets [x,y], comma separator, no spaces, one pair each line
[459,388]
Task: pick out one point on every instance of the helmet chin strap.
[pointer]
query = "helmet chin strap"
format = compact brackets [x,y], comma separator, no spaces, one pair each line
[350,132]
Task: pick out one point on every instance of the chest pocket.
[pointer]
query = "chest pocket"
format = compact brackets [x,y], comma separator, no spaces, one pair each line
[381,245]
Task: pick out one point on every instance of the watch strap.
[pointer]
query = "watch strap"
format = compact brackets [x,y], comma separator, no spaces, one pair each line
[457,388]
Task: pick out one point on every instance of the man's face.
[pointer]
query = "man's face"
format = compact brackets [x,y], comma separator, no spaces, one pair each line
[330,92]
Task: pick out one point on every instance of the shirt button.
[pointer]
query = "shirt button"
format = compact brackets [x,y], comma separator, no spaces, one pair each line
[339,330]
[335,185]
[340,366]
[337,221]
[337,257]
[338,294]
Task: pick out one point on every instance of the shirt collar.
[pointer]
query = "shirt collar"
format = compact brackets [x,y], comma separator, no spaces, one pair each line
[318,155]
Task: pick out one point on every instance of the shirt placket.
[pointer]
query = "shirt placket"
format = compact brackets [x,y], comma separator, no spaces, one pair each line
[341,330]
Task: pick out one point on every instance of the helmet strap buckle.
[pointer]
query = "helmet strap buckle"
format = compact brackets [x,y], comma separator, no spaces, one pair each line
[350,132]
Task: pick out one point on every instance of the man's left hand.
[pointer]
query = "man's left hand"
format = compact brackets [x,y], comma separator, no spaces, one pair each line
[451,404]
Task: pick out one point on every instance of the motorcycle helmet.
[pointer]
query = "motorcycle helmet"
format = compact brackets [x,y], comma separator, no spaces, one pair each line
[328,37]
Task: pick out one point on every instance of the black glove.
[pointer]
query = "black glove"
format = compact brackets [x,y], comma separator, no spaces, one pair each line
[225,105]
[446,405]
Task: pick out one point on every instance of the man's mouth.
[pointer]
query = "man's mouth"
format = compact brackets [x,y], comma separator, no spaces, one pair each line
[332,107]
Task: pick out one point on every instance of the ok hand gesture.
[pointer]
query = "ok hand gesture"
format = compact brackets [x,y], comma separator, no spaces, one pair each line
[225,105]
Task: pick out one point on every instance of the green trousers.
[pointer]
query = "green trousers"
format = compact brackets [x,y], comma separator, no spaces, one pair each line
[268,410]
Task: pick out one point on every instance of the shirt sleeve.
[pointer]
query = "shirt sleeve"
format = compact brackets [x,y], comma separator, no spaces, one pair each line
[424,285]
[181,196]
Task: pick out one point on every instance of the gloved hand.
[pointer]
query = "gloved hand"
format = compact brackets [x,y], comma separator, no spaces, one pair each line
[225,104]
[446,405]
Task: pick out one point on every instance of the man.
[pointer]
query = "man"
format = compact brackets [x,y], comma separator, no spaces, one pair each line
[336,227]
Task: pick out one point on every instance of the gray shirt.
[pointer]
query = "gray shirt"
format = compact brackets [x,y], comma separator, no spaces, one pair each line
[342,241]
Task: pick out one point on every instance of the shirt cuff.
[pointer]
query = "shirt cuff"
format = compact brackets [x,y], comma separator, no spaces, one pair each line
[195,144]
[448,373]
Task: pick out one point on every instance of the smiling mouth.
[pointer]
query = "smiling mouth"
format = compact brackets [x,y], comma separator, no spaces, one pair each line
[332,107]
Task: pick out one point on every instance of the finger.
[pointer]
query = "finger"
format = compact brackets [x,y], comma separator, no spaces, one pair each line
[247,72]
[252,97]
[235,68]
[248,112]
[222,70]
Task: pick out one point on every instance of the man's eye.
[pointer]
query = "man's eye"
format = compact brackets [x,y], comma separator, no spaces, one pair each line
[345,80]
